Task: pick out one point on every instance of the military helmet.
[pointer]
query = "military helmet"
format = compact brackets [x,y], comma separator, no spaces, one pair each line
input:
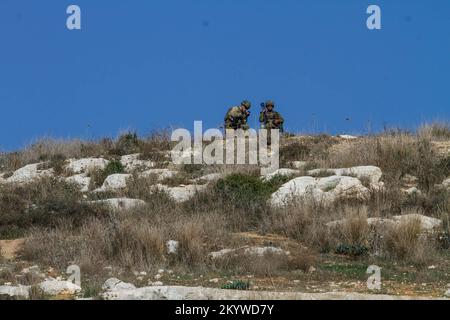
[246,104]
[270,103]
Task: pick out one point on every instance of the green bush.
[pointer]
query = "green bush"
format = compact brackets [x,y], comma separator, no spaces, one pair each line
[127,143]
[237,285]
[354,250]
[113,167]
[243,191]
[99,176]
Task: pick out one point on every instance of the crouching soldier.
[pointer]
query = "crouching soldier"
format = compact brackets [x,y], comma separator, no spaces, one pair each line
[236,117]
[269,118]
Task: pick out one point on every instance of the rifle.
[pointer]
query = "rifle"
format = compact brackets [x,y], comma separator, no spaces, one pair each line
[264,110]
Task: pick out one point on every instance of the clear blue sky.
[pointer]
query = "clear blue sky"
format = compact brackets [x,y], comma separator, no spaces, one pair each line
[149,64]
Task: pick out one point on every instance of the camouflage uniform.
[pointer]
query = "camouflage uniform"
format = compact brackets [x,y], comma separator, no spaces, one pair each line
[270,119]
[236,117]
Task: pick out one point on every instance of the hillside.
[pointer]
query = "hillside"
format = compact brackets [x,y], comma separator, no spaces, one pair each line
[119,209]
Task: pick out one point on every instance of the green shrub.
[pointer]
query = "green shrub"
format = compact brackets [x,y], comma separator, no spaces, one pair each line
[99,176]
[243,191]
[113,167]
[354,250]
[127,143]
[237,285]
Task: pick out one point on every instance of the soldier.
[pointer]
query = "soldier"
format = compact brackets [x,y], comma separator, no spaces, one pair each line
[269,118]
[236,117]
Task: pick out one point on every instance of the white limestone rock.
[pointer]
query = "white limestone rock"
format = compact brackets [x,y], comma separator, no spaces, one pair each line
[284,172]
[86,165]
[212,177]
[59,287]
[172,246]
[182,193]
[426,223]
[412,191]
[115,182]
[446,183]
[22,292]
[447,293]
[81,180]
[299,164]
[114,284]
[132,163]
[347,137]
[369,172]
[201,293]
[161,174]
[121,203]
[325,190]
[247,250]
[29,173]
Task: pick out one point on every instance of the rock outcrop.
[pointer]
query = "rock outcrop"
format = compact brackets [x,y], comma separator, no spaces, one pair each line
[323,190]
[372,173]
[114,182]
[85,165]
[18,292]
[132,163]
[57,287]
[81,180]
[283,172]
[182,193]
[120,203]
[160,174]
[29,173]
[427,224]
[201,293]
[249,251]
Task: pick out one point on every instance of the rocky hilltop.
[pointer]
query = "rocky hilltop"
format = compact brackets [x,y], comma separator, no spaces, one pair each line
[120,209]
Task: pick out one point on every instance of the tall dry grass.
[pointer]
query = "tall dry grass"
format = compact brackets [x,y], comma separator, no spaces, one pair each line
[62,230]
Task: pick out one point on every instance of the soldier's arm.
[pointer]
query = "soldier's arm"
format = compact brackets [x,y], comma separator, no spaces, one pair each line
[261,116]
[235,115]
[281,118]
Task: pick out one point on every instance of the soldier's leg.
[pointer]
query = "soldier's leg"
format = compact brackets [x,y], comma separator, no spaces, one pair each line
[269,135]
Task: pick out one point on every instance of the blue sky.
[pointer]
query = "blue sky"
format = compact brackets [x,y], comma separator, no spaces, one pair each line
[151,64]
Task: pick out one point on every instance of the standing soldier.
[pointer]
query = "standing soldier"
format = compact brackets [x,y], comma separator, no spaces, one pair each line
[269,118]
[236,117]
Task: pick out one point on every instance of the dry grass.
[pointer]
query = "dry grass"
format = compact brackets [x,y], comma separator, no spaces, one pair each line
[439,130]
[406,243]
[63,230]
[153,146]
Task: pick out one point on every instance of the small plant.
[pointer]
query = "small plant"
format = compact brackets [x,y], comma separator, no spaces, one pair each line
[354,250]
[237,285]
[55,162]
[278,180]
[444,240]
[127,143]
[99,176]
[243,191]
[113,167]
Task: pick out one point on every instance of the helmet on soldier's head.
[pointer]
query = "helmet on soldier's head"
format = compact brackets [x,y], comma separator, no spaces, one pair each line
[270,103]
[246,104]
